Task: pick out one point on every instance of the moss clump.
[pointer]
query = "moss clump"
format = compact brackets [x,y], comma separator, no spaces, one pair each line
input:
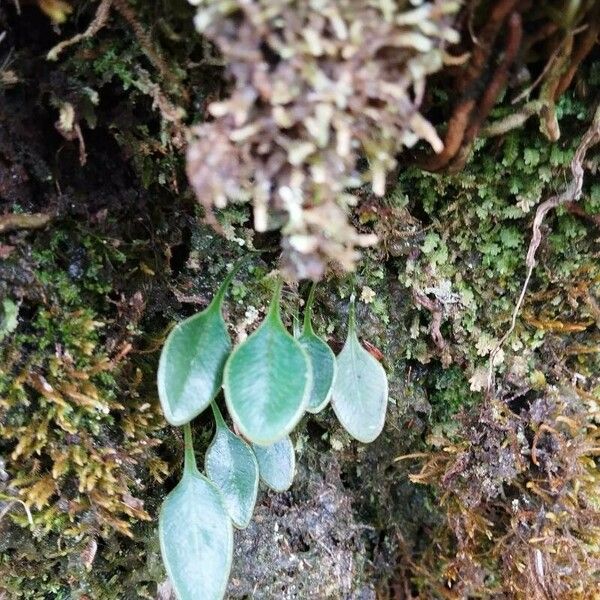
[77,438]
[318,88]
[520,495]
[460,241]
[466,254]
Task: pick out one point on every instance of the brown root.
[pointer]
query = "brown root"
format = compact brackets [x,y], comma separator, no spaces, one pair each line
[493,90]
[473,73]
[584,47]
[479,84]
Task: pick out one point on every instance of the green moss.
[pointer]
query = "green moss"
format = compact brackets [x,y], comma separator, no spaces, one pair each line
[76,434]
[471,256]
[449,393]
[460,239]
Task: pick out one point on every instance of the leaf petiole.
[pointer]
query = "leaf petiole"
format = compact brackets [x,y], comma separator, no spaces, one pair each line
[189,464]
[352,314]
[217,415]
[220,295]
[308,328]
[275,306]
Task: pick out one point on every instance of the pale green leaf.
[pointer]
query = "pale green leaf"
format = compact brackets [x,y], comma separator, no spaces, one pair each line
[231,465]
[8,317]
[267,381]
[276,464]
[322,361]
[360,391]
[190,369]
[196,535]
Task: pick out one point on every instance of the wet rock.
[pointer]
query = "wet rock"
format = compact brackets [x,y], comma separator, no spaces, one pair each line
[305,543]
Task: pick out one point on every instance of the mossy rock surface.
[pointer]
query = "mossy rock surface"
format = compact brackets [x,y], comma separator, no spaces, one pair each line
[125,254]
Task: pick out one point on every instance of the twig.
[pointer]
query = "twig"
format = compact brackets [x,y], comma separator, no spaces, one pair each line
[549,121]
[549,63]
[572,193]
[584,47]
[525,93]
[11,502]
[513,120]
[12,222]
[410,456]
[94,27]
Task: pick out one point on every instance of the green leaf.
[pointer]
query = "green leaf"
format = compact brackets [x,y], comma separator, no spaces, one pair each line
[190,369]
[196,535]
[9,317]
[322,361]
[360,392]
[231,465]
[267,380]
[276,464]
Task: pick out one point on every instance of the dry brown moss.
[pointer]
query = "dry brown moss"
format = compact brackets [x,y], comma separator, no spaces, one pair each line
[324,95]
[520,493]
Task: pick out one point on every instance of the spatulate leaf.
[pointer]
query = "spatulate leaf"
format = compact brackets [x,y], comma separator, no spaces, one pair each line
[322,361]
[276,464]
[196,535]
[267,380]
[231,465]
[360,391]
[191,365]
